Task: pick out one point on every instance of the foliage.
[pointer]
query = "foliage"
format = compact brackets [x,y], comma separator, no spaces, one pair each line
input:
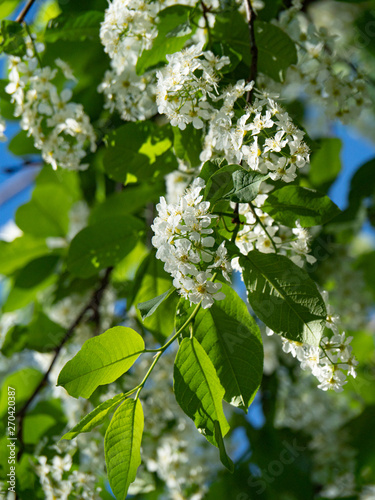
[180,266]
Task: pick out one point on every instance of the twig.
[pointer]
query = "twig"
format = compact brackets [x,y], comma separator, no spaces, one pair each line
[205,9]
[251,16]
[236,220]
[21,16]
[259,221]
[92,305]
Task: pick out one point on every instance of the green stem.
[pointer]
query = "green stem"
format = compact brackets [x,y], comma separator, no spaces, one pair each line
[236,220]
[263,227]
[187,322]
[160,351]
[27,28]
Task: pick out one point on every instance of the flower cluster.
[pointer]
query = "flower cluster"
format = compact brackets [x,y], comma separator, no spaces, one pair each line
[303,409]
[330,362]
[264,137]
[325,71]
[261,232]
[132,96]
[185,85]
[128,28]
[60,128]
[182,237]
[60,480]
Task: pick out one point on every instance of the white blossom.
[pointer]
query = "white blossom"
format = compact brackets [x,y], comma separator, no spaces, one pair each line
[185,245]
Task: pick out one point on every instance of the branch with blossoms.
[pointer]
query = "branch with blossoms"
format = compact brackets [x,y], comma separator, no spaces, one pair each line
[217,179]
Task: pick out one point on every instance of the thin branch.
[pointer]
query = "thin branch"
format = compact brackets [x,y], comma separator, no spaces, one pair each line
[24,11]
[251,16]
[236,220]
[205,10]
[92,305]
[259,221]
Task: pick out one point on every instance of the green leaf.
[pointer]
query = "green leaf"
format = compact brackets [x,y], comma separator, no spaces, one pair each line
[245,186]
[171,20]
[154,281]
[292,203]
[22,144]
[46,214]
[188,144]
[199,393]
[75,26]
[220,183]
[131,200]
[68,180]
[7,7]
[12,38]
[95,417]
[141,149]
[6,107]
[148,308]
[221,49]
[101,360]
[102,245]
[284,297]
[366,264]
[232,341]
[122,445]
[34,277]
[42,335]
[325,163]
[232,29]
[276,51]
[36,427]
[362,184]
[17,253]
[208,169]
[24,382]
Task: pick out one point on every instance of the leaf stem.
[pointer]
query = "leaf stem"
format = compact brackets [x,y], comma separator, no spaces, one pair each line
[236,220]
[162,349]
[258,219]
[187,322]
[27,28]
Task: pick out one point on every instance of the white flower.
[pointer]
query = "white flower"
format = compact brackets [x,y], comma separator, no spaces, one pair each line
[182,238]
[60,465]
[330,378]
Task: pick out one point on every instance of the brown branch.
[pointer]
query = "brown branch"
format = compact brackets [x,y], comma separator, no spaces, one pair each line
[205,10]
[92,305]
[21,16]
[251,16]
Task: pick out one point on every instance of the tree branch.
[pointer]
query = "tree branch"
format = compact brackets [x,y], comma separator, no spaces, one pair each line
[251,16]
[205,10]
[21,16]
[92,305]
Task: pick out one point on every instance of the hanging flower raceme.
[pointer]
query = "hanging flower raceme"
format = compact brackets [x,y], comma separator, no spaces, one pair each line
[129,27]
[262,137]
[186,85]
[60,128]
[182,237]
[330,362]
